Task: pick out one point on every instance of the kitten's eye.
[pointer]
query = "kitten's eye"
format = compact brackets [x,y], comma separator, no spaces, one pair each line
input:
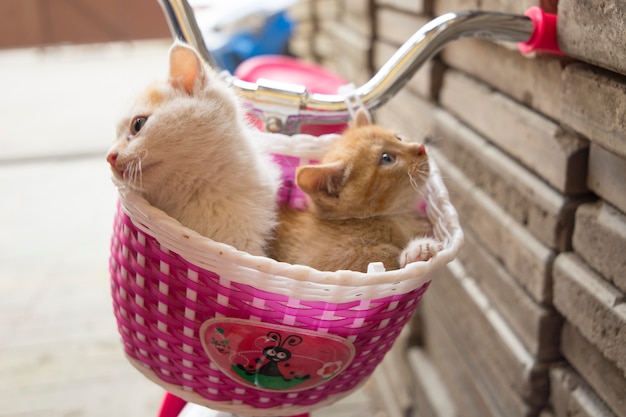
[387,159]
[137,124]
[399,138]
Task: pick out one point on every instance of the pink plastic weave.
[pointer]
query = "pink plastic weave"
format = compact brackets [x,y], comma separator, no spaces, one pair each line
[161,300]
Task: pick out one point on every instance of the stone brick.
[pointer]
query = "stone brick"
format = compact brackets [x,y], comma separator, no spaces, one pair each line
[409,114]
[594,104]
[301,41]
[534,82]
[431,396]
[328,10]
[606,173]
[600,239]
[325,48]
[537,327]
[512,381]
[413,6]
[397,27]
[357,7]
[594,32]
[347,53]
[546,213]
[571,396]
[522,255]
[457,371]
[394,379]
[302,47]
[507,6]
[602,376]
[444,6]
[556,155]
[358,17]
[593,305]
[302,11]
[427,80]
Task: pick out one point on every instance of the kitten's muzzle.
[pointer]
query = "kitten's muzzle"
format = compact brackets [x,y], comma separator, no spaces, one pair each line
[418,149]
[112,160]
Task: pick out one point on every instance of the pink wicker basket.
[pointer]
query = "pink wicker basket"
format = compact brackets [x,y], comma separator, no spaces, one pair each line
[249,335]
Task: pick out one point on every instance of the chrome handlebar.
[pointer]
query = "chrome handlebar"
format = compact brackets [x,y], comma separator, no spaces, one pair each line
[292,104]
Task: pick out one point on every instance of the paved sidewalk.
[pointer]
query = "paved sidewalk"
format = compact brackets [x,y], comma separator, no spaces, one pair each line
[60,354]
[59,350]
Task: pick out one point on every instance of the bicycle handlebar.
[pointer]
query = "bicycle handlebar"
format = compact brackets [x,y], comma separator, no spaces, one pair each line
[293,104]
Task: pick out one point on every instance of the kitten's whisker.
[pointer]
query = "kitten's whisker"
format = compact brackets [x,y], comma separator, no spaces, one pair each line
[140,173]
[131,172]
[136,172]
[414,184]
[417,179]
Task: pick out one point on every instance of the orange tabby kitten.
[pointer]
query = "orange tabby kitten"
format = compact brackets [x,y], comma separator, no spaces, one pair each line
[362,201]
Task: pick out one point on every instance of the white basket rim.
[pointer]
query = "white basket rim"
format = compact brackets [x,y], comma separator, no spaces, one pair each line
[312,284]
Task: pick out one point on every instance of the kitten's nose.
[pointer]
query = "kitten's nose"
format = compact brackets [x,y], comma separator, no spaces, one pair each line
[111,158]
[421,150]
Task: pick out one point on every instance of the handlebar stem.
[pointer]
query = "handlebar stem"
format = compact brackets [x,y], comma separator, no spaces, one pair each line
[294,105]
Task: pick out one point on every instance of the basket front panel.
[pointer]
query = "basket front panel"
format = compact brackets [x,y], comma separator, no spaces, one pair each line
[161,301]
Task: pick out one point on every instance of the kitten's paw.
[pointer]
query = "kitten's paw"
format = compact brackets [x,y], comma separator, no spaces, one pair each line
[420,250]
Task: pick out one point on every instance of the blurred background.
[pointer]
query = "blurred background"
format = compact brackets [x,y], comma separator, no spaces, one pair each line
[67,69]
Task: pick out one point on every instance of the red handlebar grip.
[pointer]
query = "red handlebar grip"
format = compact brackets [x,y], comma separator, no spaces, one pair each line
[544,37]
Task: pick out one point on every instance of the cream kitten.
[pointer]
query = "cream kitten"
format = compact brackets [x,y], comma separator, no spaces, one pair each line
[186,147]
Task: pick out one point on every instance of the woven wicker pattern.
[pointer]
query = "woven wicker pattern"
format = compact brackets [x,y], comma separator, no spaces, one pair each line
[161,301]
[167,281]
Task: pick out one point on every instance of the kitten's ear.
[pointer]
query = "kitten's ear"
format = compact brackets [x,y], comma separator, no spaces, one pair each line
[327,179]
[186,68]
[361,118]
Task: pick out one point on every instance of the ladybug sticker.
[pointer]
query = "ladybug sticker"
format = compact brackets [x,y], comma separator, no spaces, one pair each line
[272,357]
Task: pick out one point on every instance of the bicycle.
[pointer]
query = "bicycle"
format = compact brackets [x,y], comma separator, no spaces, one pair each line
[178,325]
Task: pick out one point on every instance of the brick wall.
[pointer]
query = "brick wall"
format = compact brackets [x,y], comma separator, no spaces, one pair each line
[530,320]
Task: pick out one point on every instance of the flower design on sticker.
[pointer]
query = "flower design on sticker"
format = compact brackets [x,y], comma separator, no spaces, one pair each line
[329,369]
[221,345]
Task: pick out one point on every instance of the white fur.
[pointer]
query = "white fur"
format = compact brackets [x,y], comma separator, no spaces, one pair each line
[421,249]
[195,159]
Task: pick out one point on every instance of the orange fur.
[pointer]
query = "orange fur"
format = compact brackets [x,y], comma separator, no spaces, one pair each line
[361,210]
